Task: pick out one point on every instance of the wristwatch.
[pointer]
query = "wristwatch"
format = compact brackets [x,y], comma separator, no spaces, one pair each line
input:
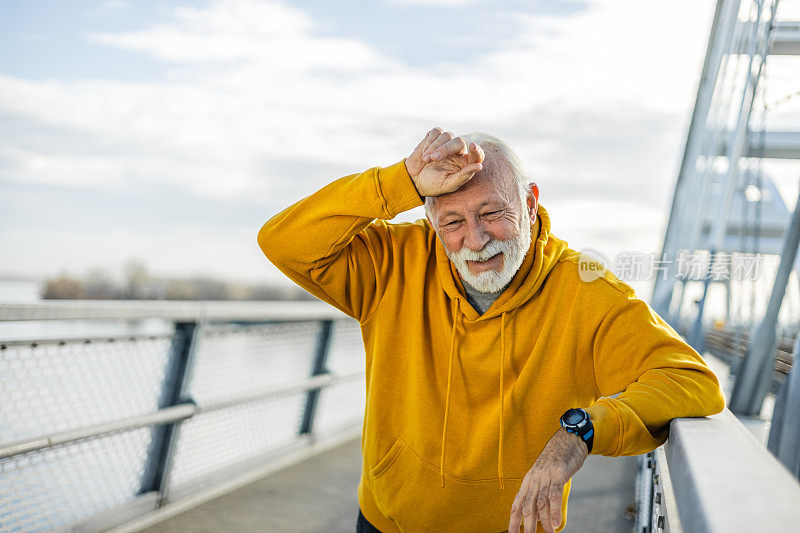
[577,421]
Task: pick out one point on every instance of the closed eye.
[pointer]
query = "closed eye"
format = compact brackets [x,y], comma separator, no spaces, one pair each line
[451,225]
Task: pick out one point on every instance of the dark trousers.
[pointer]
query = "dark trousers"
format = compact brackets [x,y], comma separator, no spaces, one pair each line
[363,526]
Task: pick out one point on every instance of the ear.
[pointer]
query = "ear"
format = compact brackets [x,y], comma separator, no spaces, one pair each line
[533,200]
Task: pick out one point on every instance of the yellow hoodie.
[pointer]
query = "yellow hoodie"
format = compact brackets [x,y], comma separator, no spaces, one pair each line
[459,405]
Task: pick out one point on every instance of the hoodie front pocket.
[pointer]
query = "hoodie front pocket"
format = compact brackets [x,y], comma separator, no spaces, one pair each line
[407,489]
[383,465]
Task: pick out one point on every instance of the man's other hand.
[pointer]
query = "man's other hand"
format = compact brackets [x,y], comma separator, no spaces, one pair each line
[442,163]
[539,497]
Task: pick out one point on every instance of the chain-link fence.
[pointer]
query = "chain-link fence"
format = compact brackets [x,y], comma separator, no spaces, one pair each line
[90,425]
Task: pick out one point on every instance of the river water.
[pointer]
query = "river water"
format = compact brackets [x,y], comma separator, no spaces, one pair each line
[15,291]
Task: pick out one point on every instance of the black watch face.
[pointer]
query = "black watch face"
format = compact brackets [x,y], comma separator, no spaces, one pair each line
[573,417]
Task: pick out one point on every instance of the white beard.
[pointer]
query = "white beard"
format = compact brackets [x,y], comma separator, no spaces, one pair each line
[514,251]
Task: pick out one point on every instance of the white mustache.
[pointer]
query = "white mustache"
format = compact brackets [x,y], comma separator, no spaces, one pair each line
[491,249]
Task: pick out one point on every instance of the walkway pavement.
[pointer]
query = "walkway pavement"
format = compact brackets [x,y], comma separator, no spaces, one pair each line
[319,495]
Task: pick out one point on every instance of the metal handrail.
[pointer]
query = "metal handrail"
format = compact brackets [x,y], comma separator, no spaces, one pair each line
[162,416]
[61,341]
[166,416]
[316,382]
[177,311]
[724,480]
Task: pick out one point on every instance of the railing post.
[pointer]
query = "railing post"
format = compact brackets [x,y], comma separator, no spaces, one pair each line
[697,336]
[645,466]
[320,362]
[159,457]
[784,434]
[755,374]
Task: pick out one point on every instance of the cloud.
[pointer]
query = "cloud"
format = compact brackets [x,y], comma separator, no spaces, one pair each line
[449,3]
[595,103]
[115,4]
[267,34]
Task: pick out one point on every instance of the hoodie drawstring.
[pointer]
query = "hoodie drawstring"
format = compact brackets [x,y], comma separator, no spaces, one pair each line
[449,379]
[449,382]
[502,360]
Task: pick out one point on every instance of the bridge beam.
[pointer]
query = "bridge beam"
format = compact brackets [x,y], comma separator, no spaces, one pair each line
[784,39]
[769,144]
[718,43]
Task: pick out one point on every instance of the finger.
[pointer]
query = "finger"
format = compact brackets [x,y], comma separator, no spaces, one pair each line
[458,179]
[556,493]
[439,141]
[428,139]
[529,513]
[453,147]
[476,154]
[543,508]
[436,148]
[516,507]
[514,521]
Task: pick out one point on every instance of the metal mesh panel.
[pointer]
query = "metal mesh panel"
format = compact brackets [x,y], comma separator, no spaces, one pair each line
[342,404]
[55,387]
[52,387]
[58,486]
[346,353]
[212,441]
[231,361]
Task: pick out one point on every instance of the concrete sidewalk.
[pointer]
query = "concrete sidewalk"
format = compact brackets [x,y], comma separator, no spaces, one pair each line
[319,495]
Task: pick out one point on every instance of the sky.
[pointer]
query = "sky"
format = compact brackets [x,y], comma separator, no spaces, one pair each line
[169,132]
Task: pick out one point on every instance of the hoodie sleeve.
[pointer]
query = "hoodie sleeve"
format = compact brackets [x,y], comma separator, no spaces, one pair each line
[657,375]
[327,244]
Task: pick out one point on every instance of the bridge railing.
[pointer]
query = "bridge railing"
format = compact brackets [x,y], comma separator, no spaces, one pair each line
[711,476]
[111,411]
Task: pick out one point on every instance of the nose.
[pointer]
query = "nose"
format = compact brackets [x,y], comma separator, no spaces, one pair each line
[476,237]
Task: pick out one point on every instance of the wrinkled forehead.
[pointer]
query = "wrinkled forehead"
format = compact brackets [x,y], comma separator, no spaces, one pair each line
[494,183]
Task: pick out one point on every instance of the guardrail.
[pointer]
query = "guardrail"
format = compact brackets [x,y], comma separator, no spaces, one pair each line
[96,430]
[177,311]
[712,476]
[731,345]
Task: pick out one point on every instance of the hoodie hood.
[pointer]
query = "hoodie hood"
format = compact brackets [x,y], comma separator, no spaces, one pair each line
[545,251]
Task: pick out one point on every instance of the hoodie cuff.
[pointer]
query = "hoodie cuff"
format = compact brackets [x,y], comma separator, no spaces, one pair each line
[607,428]
[396,189]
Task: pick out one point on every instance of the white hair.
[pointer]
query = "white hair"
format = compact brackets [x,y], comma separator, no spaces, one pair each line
[495,146]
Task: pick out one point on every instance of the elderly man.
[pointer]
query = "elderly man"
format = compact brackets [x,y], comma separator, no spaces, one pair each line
[493,367]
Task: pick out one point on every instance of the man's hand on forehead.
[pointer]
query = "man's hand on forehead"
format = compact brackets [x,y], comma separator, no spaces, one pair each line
[441,163]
